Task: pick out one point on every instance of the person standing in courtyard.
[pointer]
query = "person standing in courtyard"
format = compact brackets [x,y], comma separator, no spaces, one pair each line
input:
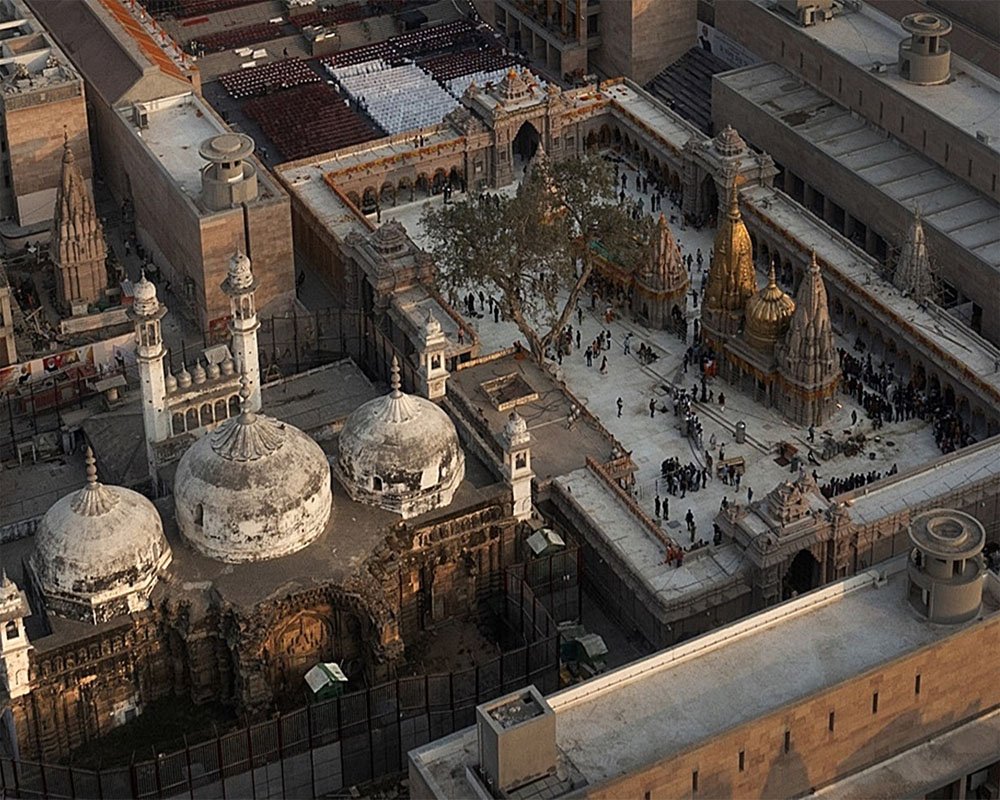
[652,407]
[620,405]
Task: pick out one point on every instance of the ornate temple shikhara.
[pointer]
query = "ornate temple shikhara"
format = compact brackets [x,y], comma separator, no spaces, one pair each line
[78,248]
[778,349]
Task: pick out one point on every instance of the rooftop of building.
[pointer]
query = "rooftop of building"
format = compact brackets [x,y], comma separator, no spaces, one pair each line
[903,175]
[703,571]
[29,60]
[866,36]
[698,690]
[175,128]
[116,46]
[558,446]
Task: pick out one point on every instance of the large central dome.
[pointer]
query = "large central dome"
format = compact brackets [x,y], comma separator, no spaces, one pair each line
[252,490]
[401,453]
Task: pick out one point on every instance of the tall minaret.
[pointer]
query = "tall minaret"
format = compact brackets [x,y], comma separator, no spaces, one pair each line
[78,248]
[913,276]
[808,366]
[731,279]
[240,285]
[15,662]
[147,312]
[517,463]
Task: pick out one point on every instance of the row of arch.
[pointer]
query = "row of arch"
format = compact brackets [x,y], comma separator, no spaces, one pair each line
[632,147]
[207,414]
[406,189]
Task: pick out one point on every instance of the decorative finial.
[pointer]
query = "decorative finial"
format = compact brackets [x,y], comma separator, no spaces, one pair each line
[771,280]
[734,197]
[395,382]
[91,466]
[65,136]
[244,393]
[814,264]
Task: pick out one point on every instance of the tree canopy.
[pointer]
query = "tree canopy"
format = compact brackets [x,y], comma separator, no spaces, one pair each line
[535,249]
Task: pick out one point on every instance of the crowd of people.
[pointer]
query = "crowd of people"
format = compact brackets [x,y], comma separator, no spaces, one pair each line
[853,481]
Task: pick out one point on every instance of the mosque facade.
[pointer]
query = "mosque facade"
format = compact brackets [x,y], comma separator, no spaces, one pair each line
[267,551]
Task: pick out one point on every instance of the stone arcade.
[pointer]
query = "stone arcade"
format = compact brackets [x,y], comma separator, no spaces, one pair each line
[261,563]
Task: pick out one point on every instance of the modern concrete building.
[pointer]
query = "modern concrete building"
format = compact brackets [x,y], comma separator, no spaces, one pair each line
[870,120]
[637,38]
[841,692]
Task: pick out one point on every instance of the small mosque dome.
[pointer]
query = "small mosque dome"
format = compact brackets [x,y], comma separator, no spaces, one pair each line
[98,551]
[516,429]
[768,314]
[144,300]
[401,452]
[184,377]
[252,490]
[171,382]
[212,371]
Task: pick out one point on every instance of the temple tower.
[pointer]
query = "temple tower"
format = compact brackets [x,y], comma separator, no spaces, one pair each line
[147,313]
[731,280]
[240,285]
[808,366]
[433,372]
[78,248]
[913,276]
[517,463]
[662,282]
[15,649]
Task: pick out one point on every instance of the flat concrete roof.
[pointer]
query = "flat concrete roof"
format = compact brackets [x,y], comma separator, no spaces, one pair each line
[926,483]
[696,691]
[177,127]
[703,570]
[948,205]
[970,101]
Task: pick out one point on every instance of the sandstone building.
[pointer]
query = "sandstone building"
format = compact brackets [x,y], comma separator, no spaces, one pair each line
[637,38]
[148,121]
[834,694]
[43,103]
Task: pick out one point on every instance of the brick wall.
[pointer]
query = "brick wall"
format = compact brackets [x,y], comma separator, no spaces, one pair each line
[957,683]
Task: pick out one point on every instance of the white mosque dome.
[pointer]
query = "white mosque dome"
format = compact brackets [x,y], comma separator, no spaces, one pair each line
[401,452]
[98,551]
[252,490]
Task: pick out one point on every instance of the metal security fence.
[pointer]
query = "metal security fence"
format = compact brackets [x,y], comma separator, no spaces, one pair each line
[324,747]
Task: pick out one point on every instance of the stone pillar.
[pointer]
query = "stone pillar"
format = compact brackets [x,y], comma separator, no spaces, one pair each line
[433,371]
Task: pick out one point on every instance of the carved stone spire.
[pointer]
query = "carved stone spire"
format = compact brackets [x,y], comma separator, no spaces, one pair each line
[913,275]
[665,270]
[807,359]
[731,279]
[78,248]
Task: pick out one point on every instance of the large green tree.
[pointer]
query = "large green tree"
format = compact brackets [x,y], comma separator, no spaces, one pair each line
[535,250]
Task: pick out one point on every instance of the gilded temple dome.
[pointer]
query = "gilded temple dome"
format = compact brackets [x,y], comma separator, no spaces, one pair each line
[401,452]
[252,490]
[98,551]
[768,314]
